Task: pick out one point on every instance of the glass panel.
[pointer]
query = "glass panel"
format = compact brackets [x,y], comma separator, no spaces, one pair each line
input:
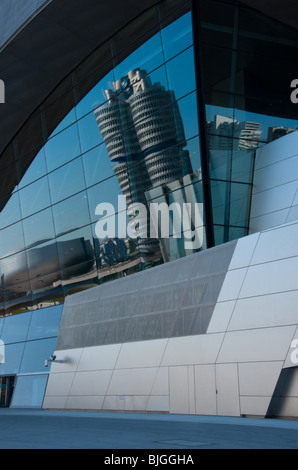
[275,91]
[259,34]
[76,254]
[181,73]
[89,133]
[38,228]
[62,148]
[220,199]
[105,192]
[231,203]
[14,269]
[18,298]
[220,119]
[219,234]
[270,127]
[11,240]
[35,197]
[239,205]
[242,165]
[147,57]
[189,114]
[217,23]
[71,213]
[97,165]
[228,163]
[36,170]
[67,180]
[45,322]
[1,325]
[11,212]
[13,357]
[216,69]
[237,232]
[44,267]
[15,328]
[96,96]
[66,122]
[193,148]
[35,354]
[177,36]
[29,391]
[220,156]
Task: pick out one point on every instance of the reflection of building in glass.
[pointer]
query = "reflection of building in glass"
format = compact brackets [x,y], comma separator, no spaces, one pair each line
[76,257]
[275,133]
[144,135]
[246,134]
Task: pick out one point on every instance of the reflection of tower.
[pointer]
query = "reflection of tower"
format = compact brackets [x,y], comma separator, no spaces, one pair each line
[143,132]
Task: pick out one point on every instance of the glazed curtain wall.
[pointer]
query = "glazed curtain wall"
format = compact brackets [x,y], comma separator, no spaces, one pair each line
[125,124]
[29,339]
[247,66]
[132,131]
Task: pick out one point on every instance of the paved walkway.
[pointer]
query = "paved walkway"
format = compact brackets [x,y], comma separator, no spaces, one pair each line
[40,429]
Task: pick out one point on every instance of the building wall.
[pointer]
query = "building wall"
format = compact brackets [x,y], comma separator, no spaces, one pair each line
[275,189]
[207,334]
[240,361]
[231,369]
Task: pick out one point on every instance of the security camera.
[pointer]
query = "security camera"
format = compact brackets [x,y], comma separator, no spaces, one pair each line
[52,357]
[46,363]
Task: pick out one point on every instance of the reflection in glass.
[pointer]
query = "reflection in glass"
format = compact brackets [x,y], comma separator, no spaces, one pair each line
[29,391]
[35,197]
[11,240]
[97,165]
[45,323]
[11,212]
[148,56]
[71,213]
[135,137]
[177,36]
[181,73]
[95,97]
[13,357]
[130,131]
[39,228]
[150,153]
[89,134]
[35,353]
[14,269]
[76,255]
[62,148]
[36,170]
[16,329]
[67,180]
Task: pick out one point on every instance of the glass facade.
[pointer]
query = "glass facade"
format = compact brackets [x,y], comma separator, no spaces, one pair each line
[246,65]
[105,178]
[28,340]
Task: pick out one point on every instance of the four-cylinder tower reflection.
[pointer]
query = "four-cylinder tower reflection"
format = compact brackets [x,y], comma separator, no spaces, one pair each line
[143,131]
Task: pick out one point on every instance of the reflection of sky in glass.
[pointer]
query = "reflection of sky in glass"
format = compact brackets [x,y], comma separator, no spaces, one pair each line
[73,172]
[168,58]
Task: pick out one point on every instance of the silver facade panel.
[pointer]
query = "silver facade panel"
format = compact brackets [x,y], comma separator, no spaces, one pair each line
[170,300]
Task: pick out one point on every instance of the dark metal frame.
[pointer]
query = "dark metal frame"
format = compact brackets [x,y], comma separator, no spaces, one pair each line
[206,182]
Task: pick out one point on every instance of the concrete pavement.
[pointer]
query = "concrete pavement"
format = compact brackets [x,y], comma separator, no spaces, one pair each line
[42,429]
